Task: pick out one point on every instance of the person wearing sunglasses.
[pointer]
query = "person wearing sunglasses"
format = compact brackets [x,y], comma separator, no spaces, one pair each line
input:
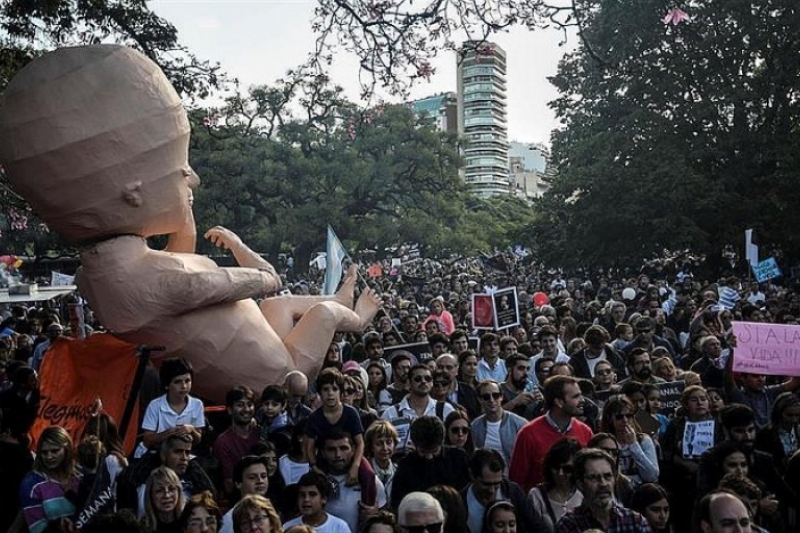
[419,512]
[637,459]
[457,432]
[458,393]
[595,477]
[418,402]
[558,494]
[496,428]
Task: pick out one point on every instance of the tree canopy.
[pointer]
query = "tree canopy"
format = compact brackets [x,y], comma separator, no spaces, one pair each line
[279,174]
[675,136]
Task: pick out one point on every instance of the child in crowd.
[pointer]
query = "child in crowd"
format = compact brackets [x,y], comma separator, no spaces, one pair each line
[174,413]
[273,419]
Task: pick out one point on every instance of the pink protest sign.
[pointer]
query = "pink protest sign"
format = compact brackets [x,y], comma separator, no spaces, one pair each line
[772,349]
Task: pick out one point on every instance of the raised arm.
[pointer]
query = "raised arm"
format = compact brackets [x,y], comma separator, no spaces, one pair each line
[225,238]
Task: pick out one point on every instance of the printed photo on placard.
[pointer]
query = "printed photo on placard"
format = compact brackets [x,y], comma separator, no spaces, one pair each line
[482,311]
[506,310]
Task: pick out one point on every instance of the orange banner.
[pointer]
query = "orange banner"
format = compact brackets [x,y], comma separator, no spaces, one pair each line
[75,373]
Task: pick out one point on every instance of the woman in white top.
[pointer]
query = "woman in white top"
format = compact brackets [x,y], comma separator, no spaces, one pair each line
[557,494]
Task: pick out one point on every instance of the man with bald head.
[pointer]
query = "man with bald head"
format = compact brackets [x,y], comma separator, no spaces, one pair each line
[458,393]
[296,385]
[722,512]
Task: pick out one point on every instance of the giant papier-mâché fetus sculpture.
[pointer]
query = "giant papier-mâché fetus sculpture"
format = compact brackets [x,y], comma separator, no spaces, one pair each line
[96,139]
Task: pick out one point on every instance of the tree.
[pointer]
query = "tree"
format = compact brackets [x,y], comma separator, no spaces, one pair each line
[676,136]
[382,177]
[395,40]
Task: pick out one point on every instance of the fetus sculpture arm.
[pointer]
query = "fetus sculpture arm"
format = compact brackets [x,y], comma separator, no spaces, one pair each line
[181,292]
[225,238]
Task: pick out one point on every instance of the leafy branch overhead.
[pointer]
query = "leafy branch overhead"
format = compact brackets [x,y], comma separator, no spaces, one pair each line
[396,40]
[28,27]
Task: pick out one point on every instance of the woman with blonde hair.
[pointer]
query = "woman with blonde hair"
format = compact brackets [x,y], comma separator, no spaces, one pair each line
[47,493]
[164,502]
[255,514]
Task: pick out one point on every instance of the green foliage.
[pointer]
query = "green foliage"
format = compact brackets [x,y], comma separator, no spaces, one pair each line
[675,136]
[381,177]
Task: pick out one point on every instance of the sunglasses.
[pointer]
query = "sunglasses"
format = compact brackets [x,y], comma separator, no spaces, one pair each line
[430,528]
[459,430]
[567,469]
[489,396]
[420,379]
[441,383]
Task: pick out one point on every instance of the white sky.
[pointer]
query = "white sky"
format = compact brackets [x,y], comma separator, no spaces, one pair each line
[257,41]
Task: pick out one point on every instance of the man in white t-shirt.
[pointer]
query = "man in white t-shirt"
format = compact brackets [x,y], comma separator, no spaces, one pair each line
[496,429]
[313,491]
[355,503]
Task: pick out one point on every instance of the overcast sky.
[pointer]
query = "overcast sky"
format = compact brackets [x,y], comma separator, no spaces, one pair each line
[257,41]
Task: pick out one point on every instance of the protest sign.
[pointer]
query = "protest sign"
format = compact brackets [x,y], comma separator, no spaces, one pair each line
[420,350]
[482,311]
[772,349]
[505,308]
[76,373]
[766,269]
[670,396]
[698,438]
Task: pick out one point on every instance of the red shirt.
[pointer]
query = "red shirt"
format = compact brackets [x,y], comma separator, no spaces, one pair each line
[533,442]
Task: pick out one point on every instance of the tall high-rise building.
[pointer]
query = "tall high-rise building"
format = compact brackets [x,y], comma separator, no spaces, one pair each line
[442,108]
[482,119]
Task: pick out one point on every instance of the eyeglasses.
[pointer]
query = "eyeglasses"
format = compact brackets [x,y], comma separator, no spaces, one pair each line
[439,383]
[420,379]
[623,416]
[198,522]
[459,430]
[429,528]
[489,396]
[613,452]
[248,524]
[608,477]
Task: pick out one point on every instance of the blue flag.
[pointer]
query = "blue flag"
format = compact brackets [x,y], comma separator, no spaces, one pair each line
[333,270]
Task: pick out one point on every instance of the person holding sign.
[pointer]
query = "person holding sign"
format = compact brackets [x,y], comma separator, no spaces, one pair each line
[686,439]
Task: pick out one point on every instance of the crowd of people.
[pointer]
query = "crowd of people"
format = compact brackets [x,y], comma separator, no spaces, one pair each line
[554,425]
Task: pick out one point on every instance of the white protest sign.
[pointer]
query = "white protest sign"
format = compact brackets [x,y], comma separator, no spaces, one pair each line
[698,437]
